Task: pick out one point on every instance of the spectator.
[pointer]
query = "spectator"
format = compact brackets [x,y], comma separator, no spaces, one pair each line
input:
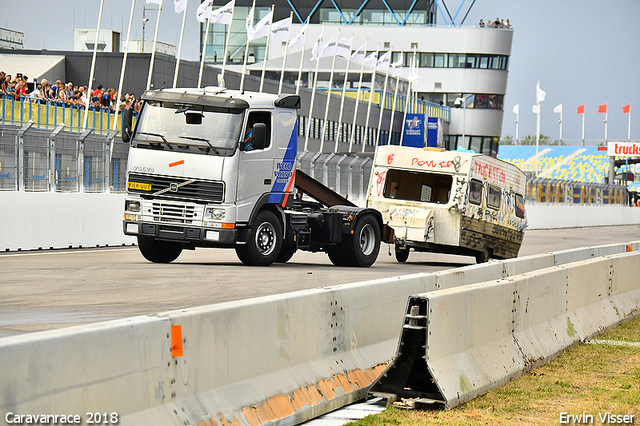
[106,99]
[20,88]
[53,91]
[3,84]
[481,23]
[508,24]
[36,95]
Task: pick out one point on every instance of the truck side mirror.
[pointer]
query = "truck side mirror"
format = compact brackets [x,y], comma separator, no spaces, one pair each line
[259,136]
[127,120]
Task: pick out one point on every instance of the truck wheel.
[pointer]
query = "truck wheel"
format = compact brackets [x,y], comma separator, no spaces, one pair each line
[158,251]
[402,254]
[362,247]
[264,243]
[483,256]
[337,257]
[286,253]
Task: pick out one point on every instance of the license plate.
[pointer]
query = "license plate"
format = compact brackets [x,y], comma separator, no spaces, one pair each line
[139,186]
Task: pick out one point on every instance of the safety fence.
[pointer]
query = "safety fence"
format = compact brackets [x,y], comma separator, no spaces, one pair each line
[541,190]
[285,359]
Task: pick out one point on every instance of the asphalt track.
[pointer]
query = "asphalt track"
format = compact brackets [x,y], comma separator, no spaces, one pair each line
[57,288]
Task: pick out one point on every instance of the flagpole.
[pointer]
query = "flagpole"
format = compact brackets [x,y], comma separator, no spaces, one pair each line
[382,100]
[226,46]
[583,114]
[93,67]
[393,106]
[266,51]
[184,19]
[344,91]
[204,52]
[629,130]
[284,60]
[313,91]
[246,51]
[406,104]
[304,46]
[373,78]
[355,112]
[124,64]
[153,54]
[326,110]
[606,115]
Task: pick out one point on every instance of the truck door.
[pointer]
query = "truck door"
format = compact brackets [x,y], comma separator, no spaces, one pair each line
[255,168]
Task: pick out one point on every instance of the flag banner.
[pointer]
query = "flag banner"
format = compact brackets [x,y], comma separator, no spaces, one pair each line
[435,132]
[516,109]
[300,38]
[158,2]
[180,5]
[223,15]
[359,55]
[396,68]
[262,27]
[536,109]
[581,109]
[414,131]
[249,22]
[280,30]
[371,60]
[343,49]
[558,109]
[602,109]
[540,94]
[626,109]
[329,49]
[317,48]
[383,62]
[413,73]
[204,10]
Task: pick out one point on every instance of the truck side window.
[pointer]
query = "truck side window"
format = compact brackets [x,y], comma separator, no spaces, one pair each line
[493,197]
[520,206]
[475,192]
[257,117]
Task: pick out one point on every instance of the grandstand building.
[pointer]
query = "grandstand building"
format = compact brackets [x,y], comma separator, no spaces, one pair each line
[455,61]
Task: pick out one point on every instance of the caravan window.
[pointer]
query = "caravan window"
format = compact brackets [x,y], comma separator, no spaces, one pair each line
[417,186]
[493,197]
[475,192]
[520,206]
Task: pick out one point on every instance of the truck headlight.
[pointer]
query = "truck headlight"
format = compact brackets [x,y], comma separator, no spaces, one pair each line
[214,214]
[132,206]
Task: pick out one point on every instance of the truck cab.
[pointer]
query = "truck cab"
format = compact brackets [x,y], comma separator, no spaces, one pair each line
[217,168]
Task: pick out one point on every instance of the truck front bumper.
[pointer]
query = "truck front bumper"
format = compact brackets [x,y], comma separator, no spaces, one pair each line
[190,235]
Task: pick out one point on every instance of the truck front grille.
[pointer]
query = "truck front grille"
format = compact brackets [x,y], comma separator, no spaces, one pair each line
[176,188]
[175,213]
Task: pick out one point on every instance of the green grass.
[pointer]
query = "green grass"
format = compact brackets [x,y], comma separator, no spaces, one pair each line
[590,378]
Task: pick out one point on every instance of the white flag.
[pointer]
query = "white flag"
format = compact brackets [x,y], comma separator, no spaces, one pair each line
[383,62]
[262,27]
[204,10]
[180,5]
[516,109]
[536,109]
[158,2]
[317,48]
[558,109]
[329,49]
[343,49]
[300,38]
[371,60]
[413,75]
[359,55]
[540,94]
[223,15]
[249,22]
[280,30]
[396,68]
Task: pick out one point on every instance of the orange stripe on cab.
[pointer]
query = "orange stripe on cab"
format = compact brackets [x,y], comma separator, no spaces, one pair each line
[177,163]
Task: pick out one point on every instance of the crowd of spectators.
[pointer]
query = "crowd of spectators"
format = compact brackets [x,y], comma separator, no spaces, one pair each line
[64,94]
[498,23]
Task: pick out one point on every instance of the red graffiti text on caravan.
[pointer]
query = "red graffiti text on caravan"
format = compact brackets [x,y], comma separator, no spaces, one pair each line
[494,174]
[431,164]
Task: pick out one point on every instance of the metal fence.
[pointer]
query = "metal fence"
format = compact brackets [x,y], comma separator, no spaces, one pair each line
[540,190]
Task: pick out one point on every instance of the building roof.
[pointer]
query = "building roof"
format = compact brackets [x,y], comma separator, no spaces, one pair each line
[33,66]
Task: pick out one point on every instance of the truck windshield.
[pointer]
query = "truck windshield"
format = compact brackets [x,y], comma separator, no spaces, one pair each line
[188,128]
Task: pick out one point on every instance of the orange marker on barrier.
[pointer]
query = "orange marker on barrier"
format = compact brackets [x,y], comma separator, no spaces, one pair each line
[628,248]
[176,340]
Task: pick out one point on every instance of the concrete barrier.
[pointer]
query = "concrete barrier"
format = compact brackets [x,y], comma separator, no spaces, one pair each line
[461,342]
[288,358]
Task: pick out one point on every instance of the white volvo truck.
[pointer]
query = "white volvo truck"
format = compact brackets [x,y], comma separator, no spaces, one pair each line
[195,180]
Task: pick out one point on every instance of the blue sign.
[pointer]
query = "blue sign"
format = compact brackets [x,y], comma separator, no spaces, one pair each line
[414,131]
[434,132]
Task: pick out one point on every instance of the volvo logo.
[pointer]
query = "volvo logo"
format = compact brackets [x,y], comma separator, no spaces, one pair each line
[173,187]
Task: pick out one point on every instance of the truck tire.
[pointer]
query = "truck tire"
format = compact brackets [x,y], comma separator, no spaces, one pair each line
[402,254]
[158,251]
[286,253]
[337,257]
[264,243]
[362,247]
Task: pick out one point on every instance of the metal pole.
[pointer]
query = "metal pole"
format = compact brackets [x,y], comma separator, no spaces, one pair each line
[226,46]
[355,112]
[284,60]
[52,157]
[373,78]
[124,65]
[266,51]
[184,19]
[204,53]
[153,53]
[326,110]
[344,92]
[382,100]
[299,81]
[313,92]
[93,67]
[246,50]
[393,110]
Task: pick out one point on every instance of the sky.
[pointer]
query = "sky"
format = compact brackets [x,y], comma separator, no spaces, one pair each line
[581,52]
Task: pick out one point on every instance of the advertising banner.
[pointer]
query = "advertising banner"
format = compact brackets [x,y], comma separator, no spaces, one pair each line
[414,131]
[435,137]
